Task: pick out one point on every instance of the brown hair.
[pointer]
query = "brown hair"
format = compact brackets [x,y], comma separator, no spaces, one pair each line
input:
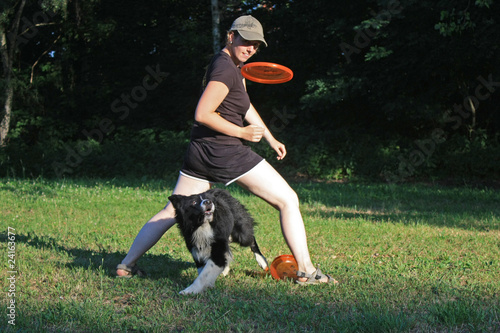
[236,34]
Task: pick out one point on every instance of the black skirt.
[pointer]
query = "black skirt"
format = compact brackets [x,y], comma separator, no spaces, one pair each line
[218,163]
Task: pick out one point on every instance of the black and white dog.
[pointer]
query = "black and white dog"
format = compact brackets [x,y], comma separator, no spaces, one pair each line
[209,221]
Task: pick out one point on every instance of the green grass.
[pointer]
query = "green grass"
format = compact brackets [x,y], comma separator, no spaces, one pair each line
[410,258]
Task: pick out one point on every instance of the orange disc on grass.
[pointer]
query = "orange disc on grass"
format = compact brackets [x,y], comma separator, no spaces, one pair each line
[284,267]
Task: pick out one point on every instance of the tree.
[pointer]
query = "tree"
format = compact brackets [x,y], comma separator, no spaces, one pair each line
[8,50]
[366,73]
[215,26]
[19,25]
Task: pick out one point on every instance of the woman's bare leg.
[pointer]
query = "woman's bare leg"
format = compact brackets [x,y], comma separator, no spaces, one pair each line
[154,229]
[265,182]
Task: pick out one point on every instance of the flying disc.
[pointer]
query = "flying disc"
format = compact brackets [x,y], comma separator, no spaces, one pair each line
[283,267]
[266,72]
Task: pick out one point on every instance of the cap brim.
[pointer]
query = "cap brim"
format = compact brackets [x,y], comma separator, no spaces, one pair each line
[252,36]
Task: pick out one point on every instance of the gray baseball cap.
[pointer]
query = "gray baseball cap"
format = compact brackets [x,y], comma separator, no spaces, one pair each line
[249,28]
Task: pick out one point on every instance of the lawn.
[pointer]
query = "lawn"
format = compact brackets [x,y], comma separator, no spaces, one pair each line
[409,258]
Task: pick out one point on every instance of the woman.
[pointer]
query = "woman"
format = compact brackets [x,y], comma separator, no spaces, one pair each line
[216,153]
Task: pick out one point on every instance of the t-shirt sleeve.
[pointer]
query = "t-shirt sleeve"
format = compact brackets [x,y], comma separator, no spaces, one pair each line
[221,72]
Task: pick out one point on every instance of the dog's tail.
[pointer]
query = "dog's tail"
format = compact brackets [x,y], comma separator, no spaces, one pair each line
[261,260]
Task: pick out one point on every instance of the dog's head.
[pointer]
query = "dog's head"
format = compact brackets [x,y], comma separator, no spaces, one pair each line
[198,208]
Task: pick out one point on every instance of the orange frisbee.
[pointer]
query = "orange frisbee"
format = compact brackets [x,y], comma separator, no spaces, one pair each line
[284,267]
[266,72]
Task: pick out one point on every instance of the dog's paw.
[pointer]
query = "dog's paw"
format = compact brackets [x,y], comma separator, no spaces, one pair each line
[185,292]
[226,270]
[191,290]
[196,288]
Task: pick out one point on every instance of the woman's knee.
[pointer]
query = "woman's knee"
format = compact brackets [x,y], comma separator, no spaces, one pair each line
[294,198]
[167,213]
[289,199]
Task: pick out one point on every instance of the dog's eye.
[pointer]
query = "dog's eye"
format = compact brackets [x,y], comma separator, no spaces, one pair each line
[193,203]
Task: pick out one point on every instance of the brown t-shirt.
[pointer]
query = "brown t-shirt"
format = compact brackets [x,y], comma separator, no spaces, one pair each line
[233,108]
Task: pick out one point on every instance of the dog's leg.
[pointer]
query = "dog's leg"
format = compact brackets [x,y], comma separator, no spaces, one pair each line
[261,260]
[199,259]
[229,258]
[206,278]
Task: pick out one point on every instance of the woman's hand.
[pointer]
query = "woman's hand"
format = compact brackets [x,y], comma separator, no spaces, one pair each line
[254,118]
[252,133]
[279,148]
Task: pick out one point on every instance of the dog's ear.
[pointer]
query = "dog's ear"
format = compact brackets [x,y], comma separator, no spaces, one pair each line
[175,199]
[219,191]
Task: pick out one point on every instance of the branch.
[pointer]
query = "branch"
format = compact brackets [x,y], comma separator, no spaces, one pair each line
[40,57]
[36,25]
[473,110]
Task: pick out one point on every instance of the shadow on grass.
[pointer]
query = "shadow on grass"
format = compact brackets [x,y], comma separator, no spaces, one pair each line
[328,309]
[267,307]
[457,207]
[156,266]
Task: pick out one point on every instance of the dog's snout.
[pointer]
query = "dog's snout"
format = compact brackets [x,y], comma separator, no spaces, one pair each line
[207,205]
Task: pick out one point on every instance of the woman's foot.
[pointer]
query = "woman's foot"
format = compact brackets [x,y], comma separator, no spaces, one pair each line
[125,271]
[316,277]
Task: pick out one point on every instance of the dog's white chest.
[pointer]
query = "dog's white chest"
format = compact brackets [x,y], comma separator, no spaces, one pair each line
[202,241]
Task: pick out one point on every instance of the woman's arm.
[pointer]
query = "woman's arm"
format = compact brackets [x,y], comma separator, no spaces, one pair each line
[205,114]
[253,118]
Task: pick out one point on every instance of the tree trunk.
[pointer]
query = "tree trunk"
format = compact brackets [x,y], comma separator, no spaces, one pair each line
[8,93]
[5,124]
[8,47]
[215,26]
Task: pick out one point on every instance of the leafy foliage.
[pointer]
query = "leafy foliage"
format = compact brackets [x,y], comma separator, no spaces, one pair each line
[371,80]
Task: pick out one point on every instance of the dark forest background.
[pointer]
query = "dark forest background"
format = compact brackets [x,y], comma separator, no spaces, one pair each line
[386,90]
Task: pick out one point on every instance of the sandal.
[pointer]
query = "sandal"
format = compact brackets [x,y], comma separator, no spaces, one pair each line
[131,271]
[314,278]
